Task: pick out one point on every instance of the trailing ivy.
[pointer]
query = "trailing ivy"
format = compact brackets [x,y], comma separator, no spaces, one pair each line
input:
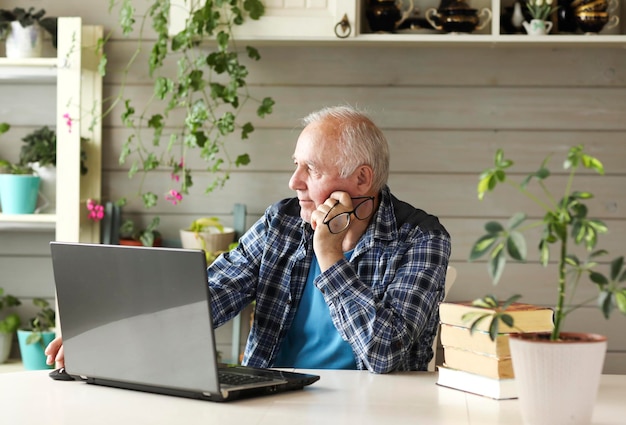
[209,88]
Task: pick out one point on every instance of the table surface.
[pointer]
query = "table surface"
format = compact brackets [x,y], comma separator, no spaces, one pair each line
[339,397]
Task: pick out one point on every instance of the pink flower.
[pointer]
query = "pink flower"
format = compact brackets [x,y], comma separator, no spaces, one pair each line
[96,211]
[177,169]
[68,121]
[173,196]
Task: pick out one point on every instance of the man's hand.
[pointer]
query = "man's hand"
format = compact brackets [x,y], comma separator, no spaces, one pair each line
[328,246]
[54,353]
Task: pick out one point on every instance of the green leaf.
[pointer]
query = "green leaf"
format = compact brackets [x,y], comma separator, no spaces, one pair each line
[507,318]
[493,227]
[605,303]
[495,266]
[255,8]
[493,328]
[516,246]
[516,220]
[127,19]
[616,267]
[243,159]
[620,300]
[482,246]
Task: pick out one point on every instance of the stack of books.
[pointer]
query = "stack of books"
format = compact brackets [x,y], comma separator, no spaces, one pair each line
[472,361]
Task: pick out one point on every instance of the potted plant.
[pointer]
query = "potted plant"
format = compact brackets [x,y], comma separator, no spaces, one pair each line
[564,225]
[19,189]
[19,186]
[195,112]
[134,235]
[208,234]
[39,150]
[9,323]
[39,333]
[539,10]
[22,30]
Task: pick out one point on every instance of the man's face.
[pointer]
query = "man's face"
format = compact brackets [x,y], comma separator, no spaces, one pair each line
[316,176]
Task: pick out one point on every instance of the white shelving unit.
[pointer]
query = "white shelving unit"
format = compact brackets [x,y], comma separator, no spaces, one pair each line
[78,94]
[286,23]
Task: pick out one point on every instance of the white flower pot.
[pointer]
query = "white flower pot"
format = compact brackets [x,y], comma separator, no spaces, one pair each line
[537,27]
[24,42]
[48,188]
[557,382]
[213,239]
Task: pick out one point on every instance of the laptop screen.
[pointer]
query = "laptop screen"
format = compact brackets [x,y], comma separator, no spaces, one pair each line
[132,315]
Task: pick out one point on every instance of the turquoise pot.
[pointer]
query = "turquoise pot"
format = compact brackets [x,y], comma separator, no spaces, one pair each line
[18,193]
[33,357]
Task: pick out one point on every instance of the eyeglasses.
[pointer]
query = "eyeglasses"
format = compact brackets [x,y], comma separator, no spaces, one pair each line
[341,221]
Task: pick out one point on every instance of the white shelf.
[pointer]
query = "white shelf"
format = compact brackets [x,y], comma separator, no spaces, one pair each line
[22,222]
[78,86]
[27,69]
[407,40]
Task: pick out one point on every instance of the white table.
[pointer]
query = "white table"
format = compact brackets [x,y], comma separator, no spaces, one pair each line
[340,397]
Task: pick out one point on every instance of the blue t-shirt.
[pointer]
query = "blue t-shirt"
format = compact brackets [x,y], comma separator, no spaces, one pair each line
[313,342]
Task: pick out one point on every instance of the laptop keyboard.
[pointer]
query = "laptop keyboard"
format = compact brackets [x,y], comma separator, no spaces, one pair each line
[229,378]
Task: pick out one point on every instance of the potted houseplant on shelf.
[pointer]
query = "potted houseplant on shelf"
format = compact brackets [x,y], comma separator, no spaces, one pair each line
[39,150]
[196,111]
[39,333]
[23,31]
[557,373]
[134,235]
[209,235]
[19,189]
[539,10]
[9,323]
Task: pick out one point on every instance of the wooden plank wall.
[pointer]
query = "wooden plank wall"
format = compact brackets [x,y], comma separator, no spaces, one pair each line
[445,110]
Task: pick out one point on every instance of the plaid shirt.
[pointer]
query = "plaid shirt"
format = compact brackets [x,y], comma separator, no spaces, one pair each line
[383,301]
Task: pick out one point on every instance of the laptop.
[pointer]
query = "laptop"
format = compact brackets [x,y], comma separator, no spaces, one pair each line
[139,318]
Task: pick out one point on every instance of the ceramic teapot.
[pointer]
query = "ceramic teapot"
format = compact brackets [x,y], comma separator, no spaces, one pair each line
[387,15]
[457,16]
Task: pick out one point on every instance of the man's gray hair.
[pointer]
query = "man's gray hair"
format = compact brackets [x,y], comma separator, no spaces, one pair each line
[360,141]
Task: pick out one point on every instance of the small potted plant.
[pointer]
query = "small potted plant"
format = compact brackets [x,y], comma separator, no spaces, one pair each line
[133,235]
[208,234]
[39,150]
[19,186]
[565,223]
[9,323]
[22,30]
[39,333]
[539,10]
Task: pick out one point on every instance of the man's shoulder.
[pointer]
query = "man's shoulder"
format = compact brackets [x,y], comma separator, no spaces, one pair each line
[406,213]
[287,206]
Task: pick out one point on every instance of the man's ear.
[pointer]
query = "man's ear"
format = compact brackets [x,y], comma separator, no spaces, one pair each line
[365,177]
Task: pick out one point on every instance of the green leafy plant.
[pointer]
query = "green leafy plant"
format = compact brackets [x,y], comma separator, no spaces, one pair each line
[130,230]
[43,321]
[8,167]
[564,224]
[10,322]
[209,90]
[41,146]
[204,223]
[27,18]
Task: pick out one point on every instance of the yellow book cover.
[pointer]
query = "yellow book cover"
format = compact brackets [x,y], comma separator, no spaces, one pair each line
[478,341]
[478,363]
[527,317]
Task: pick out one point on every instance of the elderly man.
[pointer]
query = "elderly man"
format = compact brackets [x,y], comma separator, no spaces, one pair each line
[344,275]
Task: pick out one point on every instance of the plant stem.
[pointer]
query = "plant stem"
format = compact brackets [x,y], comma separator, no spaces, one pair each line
[558,313]
[529,195]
